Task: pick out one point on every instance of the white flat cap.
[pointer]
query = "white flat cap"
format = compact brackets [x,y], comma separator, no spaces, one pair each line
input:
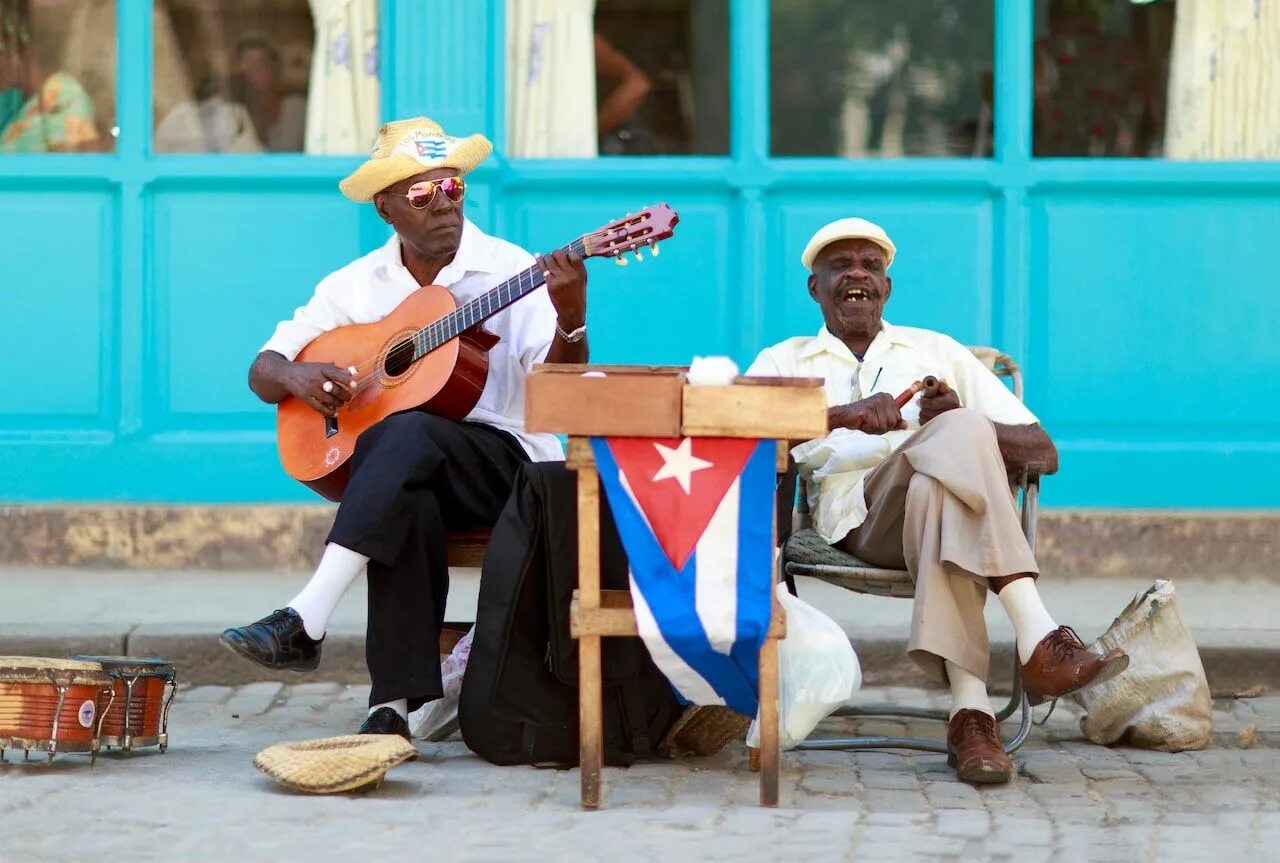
[848,229]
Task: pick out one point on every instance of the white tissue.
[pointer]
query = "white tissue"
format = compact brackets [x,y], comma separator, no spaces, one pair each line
[712,372]
[592,375]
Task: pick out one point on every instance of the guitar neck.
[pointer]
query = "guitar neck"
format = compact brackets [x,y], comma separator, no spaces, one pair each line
[483,307]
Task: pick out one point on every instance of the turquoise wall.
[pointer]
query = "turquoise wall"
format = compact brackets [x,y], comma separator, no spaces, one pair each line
[1139,295]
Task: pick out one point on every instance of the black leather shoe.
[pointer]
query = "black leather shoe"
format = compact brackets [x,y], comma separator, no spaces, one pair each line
[385,720]
[278,641]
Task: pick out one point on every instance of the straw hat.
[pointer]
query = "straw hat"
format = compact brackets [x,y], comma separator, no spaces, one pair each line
[334,764]
[408,147]
[848,229]
[705,729]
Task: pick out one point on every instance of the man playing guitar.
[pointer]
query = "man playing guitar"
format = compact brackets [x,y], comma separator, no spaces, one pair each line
[413,474]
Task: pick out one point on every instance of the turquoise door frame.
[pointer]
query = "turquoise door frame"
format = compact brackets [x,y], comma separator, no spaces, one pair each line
[1136,293]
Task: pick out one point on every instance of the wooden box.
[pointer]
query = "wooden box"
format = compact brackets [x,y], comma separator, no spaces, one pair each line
[655,401]
[634,401]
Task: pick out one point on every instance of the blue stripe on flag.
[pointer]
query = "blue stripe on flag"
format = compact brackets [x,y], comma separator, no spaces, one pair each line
[671,594]
[755,547]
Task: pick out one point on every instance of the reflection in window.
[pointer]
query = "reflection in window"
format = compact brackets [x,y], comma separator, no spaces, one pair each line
[1195,79]
[656,70]
[858,78]
[57,85]
[253,76]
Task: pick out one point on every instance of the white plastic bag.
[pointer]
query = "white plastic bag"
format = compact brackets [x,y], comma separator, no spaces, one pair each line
[1162,700]
[817,671]
[443,712]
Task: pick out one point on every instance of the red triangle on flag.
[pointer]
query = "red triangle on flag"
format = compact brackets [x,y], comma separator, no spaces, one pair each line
[679,482]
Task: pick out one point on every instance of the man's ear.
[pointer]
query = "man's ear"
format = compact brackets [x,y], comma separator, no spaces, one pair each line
[813,287]
[888,288]
[380,204]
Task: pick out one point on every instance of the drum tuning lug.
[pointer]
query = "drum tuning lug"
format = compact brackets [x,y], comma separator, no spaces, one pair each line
[622,262]
[653,247]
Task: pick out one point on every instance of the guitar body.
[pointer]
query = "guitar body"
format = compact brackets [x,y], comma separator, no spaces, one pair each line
[447,382]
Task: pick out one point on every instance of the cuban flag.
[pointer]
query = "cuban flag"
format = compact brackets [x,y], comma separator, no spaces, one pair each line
[695,516]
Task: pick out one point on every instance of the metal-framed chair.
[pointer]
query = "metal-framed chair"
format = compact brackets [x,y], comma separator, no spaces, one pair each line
[805,552]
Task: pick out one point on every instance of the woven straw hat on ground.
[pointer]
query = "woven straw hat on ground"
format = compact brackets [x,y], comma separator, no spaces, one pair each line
[408,147]
[705,730]
[334,764]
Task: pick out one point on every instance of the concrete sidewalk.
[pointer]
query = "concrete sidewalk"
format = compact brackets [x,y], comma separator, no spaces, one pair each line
[178,614]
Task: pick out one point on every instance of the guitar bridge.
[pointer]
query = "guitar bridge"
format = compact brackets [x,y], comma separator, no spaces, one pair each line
[330,426]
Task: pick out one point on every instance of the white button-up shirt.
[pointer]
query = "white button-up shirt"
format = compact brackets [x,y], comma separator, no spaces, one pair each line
[370,288]
[837,465]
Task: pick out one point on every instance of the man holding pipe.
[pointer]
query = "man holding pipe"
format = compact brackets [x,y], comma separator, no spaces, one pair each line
[921,483]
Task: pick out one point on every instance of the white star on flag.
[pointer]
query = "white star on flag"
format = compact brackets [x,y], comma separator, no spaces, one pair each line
[679,463]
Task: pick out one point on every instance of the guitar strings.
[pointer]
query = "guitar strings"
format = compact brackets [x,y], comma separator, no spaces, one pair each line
[403,351]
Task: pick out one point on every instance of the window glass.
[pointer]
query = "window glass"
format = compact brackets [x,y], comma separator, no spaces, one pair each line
[863,78]
[255,76]
[657,72]
[57,80]
[1193,79]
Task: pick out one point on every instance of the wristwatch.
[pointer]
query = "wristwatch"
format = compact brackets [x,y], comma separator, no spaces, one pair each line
[576,336]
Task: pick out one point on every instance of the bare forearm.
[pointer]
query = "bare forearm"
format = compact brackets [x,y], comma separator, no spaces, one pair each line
[1027,446]
[267,376]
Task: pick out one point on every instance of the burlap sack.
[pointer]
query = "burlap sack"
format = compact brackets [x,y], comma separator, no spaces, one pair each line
[1162,701]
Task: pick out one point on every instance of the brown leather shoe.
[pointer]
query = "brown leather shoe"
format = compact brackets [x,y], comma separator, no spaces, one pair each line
[1061,664]
[975,751]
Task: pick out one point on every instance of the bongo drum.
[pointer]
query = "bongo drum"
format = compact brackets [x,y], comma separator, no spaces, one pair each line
[54,705]
[144,689]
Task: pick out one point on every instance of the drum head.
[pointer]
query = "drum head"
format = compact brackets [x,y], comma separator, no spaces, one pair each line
[129,666]
[39,669]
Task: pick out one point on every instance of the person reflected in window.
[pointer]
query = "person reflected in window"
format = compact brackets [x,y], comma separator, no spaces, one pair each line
[53,111]
[620,130]
[279,117]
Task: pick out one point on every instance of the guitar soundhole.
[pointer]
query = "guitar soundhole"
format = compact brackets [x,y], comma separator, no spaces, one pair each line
[399,359]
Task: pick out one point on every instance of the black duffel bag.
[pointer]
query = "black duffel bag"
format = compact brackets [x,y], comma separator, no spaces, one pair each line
[519,702]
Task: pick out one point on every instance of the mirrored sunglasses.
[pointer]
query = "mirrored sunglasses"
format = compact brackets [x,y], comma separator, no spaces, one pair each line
[421,195]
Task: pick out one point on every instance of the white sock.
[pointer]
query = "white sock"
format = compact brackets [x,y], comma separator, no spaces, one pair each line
[968,692]
[1031,621]
[338,568]
[400,705]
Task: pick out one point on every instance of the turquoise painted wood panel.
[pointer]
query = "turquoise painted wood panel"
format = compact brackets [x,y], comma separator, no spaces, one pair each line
[229,264]
[662,309]
[59,289]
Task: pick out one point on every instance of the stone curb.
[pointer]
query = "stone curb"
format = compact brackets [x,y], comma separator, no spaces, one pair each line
[1235,661]
[1072,543]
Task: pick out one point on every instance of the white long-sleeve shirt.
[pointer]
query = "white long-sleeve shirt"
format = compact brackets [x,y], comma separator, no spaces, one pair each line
[370,288]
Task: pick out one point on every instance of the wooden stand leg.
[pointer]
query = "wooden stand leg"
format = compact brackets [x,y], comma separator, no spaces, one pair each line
[591,723]
[769,755]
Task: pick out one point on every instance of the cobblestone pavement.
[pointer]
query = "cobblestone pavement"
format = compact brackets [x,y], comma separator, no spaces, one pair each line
[203,800]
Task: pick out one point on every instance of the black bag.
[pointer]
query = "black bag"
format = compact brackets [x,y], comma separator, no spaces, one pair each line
[519,702]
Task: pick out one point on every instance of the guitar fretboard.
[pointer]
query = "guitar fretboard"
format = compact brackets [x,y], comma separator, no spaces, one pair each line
[482,307]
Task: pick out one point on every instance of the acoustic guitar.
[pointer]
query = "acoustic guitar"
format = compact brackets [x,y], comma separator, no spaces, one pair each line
[430,354]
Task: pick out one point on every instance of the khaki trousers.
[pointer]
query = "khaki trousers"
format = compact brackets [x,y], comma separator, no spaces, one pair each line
[940,507]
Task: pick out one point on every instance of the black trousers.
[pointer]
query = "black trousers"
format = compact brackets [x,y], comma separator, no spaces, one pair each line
[414,476]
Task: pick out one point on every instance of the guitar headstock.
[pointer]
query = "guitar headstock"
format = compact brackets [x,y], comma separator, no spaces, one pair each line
[632,233]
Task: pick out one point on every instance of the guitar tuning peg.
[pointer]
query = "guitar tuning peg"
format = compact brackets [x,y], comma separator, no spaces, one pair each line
[639,257]
[621,261]
[653,247]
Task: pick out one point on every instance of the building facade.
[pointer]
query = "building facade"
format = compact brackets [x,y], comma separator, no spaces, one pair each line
[1138,291]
